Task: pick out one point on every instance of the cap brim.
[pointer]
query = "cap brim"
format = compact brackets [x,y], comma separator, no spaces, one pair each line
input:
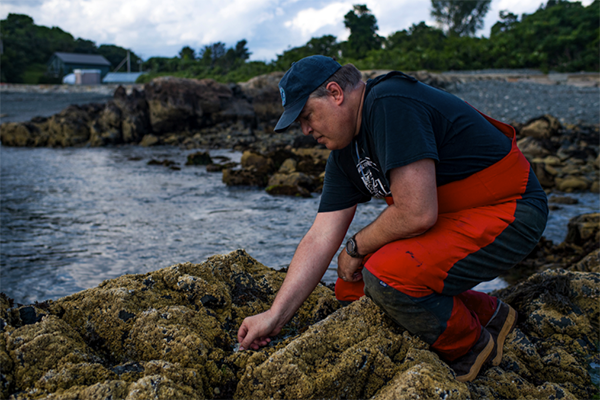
[289,115]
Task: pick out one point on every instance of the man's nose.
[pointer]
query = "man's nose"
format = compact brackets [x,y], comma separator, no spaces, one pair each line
[306,129]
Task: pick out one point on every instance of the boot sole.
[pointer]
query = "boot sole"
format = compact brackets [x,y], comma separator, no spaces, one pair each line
[509,324]
[481,359]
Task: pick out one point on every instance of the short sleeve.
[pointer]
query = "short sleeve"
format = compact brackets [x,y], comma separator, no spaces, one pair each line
[339,191]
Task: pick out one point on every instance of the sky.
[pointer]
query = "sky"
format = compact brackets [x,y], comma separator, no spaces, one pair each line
[161,28]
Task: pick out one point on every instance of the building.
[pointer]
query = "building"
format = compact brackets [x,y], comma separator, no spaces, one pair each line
[61,64]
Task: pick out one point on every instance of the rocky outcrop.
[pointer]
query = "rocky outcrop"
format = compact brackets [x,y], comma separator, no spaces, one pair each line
[292,172]
[563,158]
[166,105]
[171,333]
[263,91]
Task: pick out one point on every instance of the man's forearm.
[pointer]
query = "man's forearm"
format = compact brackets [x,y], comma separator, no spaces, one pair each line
[414,210]
[312,257]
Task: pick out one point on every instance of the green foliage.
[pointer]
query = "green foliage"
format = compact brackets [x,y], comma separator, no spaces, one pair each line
[363,32]
[562,36]
[187,53]
[325,46]
[460,17]
[27,47]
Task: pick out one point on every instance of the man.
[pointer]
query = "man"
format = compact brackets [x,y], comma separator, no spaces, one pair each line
[464,206]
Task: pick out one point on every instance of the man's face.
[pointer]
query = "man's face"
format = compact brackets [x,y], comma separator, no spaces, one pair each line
[327,121]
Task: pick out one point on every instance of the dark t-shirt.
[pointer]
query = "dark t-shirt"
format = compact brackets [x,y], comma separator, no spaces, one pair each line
[404,121]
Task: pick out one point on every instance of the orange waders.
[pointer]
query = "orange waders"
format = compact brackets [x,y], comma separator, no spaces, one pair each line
[484,227]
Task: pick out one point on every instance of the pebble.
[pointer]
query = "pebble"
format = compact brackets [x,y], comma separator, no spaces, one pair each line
[519,102]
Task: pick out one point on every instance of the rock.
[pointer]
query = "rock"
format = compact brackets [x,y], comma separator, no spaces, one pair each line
[107,128]
[199,158]
[220,167]
[595,188]
[17,134]
[259,163]
[263,92]
[541,128]
[164,163]
[552,160]
[583,229]
[563,200]
[166,334]
[591,263]
[171,333]
[149,140]
[288,166]
[544,174]
[293,184]
[255,171]
[135,114]
[532,148]
[244,177]
[177,104]
[571,184]
[70,127]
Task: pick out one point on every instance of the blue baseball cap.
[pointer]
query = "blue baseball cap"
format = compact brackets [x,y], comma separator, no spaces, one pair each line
[299,82]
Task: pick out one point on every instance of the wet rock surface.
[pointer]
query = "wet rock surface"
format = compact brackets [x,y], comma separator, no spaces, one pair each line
[171,333]
[166,334]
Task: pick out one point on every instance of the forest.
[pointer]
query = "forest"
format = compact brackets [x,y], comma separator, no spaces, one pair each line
[560,36]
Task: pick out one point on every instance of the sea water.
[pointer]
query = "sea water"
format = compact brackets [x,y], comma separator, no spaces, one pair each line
[72,218]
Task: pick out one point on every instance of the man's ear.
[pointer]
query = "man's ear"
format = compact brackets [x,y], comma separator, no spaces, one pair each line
[335,90]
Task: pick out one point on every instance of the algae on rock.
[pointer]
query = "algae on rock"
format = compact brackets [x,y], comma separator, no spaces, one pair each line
[171,333]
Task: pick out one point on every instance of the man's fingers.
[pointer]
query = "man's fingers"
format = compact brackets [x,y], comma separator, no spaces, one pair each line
[242,332]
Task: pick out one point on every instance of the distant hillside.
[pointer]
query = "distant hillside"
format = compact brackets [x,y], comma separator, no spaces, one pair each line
[28,47]
[561,35]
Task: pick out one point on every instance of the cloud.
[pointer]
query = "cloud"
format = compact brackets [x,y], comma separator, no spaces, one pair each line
[162,28]
[310,20]
[28,3]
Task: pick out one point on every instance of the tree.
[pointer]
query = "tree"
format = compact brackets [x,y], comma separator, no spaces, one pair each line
[363,32]
[187,53]
[460,17]
[326,45]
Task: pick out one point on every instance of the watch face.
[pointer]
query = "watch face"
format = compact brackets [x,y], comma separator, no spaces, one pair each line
[351,247]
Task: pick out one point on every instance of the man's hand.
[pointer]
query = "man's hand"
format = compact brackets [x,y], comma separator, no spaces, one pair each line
[255,331]
[349,267]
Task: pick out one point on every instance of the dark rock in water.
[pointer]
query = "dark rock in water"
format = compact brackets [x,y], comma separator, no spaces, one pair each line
[563,200]
[165,163]
[136,114]
[584,229]
[149,140]
[199,158]
[220,167]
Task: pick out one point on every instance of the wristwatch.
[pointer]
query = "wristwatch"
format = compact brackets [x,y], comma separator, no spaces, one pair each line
[352,248]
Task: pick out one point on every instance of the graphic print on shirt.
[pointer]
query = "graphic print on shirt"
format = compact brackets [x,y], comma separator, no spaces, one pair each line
[371,177]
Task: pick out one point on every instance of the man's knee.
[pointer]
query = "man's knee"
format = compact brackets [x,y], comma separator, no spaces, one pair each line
[403,309]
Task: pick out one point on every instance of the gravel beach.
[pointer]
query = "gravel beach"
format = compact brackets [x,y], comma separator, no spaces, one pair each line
[520,101]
